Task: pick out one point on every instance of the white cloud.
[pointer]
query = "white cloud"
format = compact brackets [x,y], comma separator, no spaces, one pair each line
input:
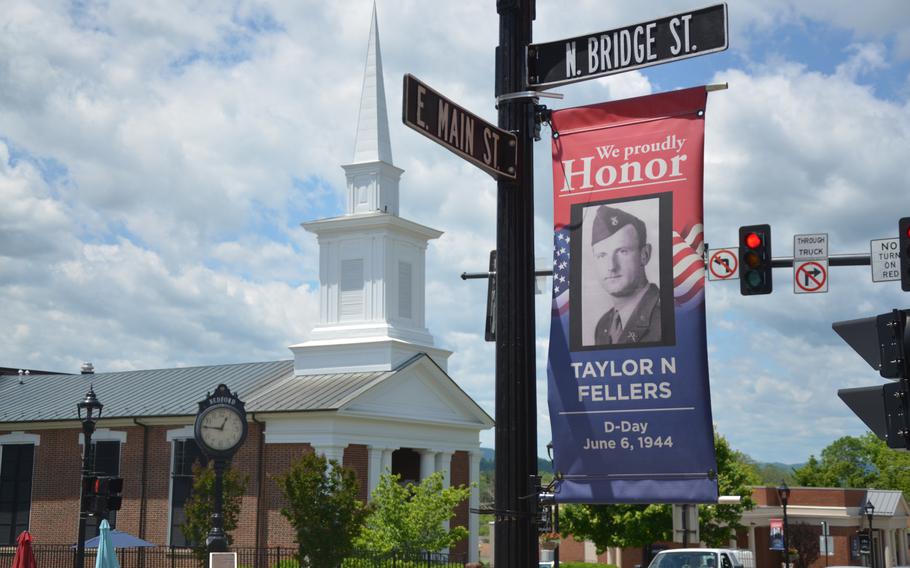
[155,162]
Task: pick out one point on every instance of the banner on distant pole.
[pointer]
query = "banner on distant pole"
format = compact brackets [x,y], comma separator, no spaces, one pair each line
[776,534]
[628,393]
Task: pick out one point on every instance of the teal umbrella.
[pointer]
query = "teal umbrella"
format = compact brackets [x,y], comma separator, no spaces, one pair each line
[106,558]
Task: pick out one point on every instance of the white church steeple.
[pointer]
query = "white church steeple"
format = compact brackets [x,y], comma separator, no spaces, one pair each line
[372,179]
[372,262]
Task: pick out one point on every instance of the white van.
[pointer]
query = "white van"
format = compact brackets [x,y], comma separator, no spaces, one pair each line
[703,558]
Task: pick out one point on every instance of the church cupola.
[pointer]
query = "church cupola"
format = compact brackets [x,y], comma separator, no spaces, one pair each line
[372,263]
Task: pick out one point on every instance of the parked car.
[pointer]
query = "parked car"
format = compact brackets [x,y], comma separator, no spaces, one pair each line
[703,558]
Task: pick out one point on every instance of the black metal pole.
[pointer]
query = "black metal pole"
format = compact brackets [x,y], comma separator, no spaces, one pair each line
[217,540]
[88,428]
[871,545]
[786,539]
[516,396]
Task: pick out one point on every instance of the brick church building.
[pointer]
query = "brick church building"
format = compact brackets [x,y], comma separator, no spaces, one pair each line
[369,388]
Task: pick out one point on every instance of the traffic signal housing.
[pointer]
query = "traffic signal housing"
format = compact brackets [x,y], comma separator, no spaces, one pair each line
[89,495]
[755,260]
[884,342]
[903,238]
[104,495]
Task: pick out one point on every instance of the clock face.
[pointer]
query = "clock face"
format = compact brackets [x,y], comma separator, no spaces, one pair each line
[221,428]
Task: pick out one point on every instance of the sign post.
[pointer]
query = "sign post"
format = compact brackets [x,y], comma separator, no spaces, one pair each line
[672,38]
[516,386]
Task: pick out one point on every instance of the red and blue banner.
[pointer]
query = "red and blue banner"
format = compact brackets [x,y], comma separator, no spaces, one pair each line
[629,402]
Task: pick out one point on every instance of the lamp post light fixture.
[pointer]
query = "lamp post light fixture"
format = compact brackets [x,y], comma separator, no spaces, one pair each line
[783,493]
[869,509]
[89,411]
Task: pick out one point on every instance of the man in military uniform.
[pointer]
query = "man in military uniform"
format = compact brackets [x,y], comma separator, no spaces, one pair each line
[619,242]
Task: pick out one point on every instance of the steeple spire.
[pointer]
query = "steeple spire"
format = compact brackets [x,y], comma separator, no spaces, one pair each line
[372,143]
[372,179]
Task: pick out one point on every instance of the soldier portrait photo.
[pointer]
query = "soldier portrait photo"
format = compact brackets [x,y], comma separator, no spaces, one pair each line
[622,293]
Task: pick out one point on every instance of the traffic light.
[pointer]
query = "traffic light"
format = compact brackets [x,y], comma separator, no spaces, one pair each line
[903,238]
[106,495]
[755,260]
[89,495]
[884,342]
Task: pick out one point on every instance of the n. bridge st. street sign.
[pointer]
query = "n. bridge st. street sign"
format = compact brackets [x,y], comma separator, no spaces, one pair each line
[667,39]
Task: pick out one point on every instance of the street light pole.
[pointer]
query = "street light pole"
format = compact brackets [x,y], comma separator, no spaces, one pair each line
[783,492]
[869,508]
[89,411]
[516,377]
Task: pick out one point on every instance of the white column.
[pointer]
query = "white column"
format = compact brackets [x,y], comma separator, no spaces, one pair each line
[474,503]
[902,539]
[444,464]
[752,540]
[374,469]
[387,460]
[590,552]
[889,547]
[427,463]
[332,452]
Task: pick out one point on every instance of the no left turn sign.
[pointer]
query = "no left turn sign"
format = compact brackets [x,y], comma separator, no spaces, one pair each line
[723,264]
[810,276]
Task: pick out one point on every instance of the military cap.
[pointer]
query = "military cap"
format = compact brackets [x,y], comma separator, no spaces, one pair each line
[608,220]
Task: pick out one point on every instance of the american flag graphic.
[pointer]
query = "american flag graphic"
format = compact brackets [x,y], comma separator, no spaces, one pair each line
[688,267]
[561,271]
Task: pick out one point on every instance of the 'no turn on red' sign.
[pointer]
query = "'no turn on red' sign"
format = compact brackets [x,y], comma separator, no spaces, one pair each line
[885,255]
[723,264]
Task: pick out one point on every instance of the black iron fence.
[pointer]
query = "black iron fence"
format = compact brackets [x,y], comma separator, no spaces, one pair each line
[62,556]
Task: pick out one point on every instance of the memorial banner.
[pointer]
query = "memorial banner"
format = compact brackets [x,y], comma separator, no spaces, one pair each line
[776,534]
[628,394]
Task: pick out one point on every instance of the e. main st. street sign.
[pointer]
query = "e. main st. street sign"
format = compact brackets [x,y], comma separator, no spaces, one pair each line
[492,149]
[671,38]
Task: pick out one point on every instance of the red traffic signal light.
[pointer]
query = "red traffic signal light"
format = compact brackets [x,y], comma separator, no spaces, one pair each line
[755,260]
[753,240]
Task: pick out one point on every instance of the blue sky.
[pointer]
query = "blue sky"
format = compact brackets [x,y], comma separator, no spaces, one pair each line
[156,161]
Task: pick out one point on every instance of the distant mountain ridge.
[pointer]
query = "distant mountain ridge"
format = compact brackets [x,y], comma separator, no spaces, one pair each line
[771,473]
[488,461]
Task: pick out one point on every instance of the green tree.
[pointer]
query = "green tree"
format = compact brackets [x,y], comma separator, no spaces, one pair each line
[642,525]
[201,504]
[857,462]
[322,507]
[736,475]
[846,462]
[409,518]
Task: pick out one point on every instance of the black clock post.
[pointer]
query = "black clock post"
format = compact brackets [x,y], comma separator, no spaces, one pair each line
[220,430]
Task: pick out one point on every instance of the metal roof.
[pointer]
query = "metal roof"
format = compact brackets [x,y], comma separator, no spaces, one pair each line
[265,387]
[159,392]
[313,392]
[885,502]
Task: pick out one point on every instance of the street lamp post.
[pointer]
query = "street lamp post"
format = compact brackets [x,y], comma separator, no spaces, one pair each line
[89,410]
[783,492]
[869,509]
